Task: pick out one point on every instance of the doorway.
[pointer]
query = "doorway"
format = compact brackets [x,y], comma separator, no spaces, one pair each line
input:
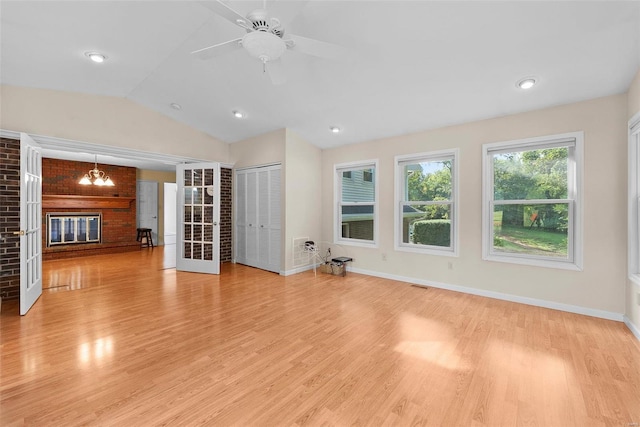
[147,207]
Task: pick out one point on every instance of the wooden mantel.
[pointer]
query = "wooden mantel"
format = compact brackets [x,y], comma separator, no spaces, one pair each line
[52,201]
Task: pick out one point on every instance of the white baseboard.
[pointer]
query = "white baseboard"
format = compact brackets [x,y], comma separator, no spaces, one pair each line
[498,295]
[634,330]
[296,270]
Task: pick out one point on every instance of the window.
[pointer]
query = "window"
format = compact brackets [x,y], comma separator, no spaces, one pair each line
[356,203]
[532,201]
[426,202]
[634,199]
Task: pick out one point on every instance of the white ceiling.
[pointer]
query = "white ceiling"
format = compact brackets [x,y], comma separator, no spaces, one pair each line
[413,65]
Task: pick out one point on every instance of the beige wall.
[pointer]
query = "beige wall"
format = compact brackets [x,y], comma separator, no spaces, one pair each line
[160,177]
[103,120]
[265,149]
[303,189]
[601,286]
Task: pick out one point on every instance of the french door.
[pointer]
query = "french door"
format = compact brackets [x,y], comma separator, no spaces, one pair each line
[30,222]
[198,217]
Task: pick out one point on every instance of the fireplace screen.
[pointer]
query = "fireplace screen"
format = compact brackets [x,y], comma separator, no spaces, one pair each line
[66,228]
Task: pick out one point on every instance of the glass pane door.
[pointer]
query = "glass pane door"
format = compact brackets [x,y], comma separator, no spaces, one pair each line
[199,216]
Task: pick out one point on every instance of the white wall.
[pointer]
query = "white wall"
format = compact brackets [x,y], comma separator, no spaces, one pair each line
[600,287]
[103,120]
[170,190]
[303,189]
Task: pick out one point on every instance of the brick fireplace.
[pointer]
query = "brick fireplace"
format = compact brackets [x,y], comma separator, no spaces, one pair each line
[62,195]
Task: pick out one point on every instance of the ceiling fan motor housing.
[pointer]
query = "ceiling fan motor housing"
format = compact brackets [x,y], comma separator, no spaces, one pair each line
[260,21]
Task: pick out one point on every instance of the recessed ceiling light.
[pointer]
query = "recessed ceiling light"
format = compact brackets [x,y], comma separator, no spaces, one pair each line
[237,114]
[335,129]
[175,106]
[96,57]
[526,83]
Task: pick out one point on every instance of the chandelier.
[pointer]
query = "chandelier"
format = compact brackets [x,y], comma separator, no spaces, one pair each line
[96,177]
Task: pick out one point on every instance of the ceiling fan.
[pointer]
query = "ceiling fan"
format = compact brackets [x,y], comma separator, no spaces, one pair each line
[265,40]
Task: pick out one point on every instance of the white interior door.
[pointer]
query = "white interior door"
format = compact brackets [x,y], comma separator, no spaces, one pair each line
[257,241]
[30,222]
[147,209]
[198,215]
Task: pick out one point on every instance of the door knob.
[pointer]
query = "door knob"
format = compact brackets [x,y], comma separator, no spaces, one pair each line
[19,233]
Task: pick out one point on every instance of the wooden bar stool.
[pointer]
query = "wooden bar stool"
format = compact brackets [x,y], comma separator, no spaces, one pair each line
[144,237]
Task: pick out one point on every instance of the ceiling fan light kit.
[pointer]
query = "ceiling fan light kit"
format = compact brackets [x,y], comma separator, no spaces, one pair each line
[264,46]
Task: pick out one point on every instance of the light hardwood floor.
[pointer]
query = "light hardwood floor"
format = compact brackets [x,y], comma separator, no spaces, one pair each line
[118,340]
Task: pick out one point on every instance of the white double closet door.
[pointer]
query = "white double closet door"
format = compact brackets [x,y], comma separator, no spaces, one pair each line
[258,241]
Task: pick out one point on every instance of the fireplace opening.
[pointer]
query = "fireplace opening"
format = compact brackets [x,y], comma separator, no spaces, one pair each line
[73,228]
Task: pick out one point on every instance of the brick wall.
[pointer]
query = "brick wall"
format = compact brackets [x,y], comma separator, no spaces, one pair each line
[226,198]
[118,225]
[9,218]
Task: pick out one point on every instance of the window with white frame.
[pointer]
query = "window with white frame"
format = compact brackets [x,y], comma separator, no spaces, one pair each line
[532,201]
[426,202]
[356,198]
[634,199]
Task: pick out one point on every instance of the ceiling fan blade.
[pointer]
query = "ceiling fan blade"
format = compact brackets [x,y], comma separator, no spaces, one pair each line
[218,49]
[227,13]
[317,48]
[276,72]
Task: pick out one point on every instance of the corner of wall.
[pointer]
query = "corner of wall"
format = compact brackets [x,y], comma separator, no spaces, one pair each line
[303,189]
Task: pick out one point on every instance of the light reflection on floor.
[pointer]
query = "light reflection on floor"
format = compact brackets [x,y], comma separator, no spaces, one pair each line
[72,274]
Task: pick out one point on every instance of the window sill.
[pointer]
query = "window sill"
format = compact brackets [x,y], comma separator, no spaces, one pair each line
[362,244]
[427,251]
[562,265]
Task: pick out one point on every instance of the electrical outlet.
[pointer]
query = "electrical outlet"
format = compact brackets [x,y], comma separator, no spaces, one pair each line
[450,265]
[384,256]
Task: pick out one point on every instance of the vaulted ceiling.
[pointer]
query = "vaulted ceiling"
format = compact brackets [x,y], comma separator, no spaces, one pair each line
[410,65]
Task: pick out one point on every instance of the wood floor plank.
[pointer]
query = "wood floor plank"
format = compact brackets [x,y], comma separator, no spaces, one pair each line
[122,340]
